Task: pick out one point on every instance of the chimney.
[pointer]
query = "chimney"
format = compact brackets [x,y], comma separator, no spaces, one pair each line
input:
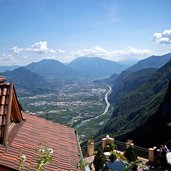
[90,147]
[106,141]
[151,154]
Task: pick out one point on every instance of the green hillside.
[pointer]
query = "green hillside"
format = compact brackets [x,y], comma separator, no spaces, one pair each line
[139,103]
[128,81]
[156,130]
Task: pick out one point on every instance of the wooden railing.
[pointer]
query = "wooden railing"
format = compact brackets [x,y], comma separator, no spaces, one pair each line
[120,146]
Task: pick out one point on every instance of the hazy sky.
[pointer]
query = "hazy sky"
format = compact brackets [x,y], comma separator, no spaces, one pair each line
[119,30]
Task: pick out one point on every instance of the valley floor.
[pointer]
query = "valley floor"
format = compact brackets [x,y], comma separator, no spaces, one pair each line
[82,105]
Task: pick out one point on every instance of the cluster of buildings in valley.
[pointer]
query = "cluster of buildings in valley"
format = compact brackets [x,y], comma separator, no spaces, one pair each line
[72,98]
[66,96]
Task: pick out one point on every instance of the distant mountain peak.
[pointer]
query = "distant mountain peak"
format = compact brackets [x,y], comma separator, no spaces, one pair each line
[8,68]
[95,66]
[151,62]
[50,69]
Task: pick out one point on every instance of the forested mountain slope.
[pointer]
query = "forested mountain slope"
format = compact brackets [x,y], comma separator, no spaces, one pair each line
[157,129]
[128,81]
[137,105]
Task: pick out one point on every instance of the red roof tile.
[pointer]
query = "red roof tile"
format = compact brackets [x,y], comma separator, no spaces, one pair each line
[27,137]
[30,133]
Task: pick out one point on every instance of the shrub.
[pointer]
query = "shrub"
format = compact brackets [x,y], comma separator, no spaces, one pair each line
[99,160]
[130,154]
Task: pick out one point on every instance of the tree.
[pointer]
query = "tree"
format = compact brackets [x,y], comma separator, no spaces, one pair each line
[99,160]
[130,154]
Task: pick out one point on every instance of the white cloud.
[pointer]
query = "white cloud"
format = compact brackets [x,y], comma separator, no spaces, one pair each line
[23,56]
[38,47]
[7,59]
[128,53]
[61,51]
[162,38]
[16,50]
[132,51]
[95,51]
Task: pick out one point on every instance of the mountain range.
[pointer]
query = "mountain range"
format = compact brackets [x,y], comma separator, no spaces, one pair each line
[141,94]
[139,100]
[151,62]
[8,68]
[82,67]
[87,67]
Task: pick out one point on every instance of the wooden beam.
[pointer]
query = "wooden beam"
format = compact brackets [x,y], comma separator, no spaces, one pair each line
[7,123]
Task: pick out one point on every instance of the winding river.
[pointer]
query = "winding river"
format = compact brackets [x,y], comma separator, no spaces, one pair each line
[105,110]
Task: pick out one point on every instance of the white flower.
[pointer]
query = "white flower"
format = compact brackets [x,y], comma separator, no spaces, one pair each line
[50,150]
[41,151]
[23,157]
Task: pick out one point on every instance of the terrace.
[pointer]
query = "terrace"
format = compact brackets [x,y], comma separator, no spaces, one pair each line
[146,160]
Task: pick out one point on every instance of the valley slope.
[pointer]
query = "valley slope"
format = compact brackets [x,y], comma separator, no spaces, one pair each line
[137,98]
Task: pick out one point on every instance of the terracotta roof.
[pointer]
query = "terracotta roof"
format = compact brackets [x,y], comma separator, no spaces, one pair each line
[27,135]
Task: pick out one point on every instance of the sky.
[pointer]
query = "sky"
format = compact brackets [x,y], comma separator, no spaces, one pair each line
[117,30]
